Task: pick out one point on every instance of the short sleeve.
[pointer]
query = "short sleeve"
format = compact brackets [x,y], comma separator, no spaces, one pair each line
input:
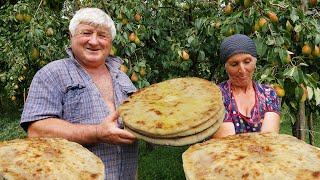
[270,98]
[44,99]
[272,102]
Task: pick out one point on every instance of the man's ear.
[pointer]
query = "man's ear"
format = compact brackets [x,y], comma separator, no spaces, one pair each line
[70,35]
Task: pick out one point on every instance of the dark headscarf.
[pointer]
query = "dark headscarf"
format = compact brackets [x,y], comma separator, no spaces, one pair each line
[237,43]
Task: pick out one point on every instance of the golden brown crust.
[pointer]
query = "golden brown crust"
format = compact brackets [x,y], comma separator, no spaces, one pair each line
[216,120]
[172,106]
[48,158]
[252,156]
[181,140]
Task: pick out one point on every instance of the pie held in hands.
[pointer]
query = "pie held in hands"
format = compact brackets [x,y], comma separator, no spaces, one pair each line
[174,112]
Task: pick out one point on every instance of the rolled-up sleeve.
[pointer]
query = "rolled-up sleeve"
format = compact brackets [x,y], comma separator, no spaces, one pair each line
[44,98]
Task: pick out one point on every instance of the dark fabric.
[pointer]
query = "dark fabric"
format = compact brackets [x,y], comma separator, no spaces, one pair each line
[237,43]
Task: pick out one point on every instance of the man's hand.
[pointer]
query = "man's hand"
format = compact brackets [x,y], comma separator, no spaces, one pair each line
[108,132]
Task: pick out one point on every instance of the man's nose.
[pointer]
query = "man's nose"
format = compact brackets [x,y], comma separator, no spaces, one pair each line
[93,39]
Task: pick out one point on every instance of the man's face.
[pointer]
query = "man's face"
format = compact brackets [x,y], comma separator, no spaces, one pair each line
[91,45]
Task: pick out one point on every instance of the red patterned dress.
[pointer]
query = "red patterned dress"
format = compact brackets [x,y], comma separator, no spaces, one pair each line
[267,100]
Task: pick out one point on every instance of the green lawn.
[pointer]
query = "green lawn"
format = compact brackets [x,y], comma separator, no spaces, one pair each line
[159,162]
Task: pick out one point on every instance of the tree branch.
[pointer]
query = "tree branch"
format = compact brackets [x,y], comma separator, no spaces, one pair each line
[105,7]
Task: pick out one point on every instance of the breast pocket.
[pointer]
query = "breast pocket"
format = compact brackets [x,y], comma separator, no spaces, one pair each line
[74,104]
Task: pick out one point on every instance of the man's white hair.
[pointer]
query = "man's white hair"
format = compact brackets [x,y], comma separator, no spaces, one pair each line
[92,16]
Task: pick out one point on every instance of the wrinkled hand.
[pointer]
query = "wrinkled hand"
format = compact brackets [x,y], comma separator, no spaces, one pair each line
[109,132]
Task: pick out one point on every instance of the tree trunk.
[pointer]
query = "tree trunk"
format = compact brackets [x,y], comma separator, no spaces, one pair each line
[76,5]
[304,5]
[311,132]
[301,125]
[295,127]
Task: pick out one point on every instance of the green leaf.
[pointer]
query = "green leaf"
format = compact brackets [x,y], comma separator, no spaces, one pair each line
[298,76]
[268,71]
[293,15]
[310,92]
[279,40]
[190,39]
[270,41]
[298,28]
[317,96]
[293,104]
[202,55]
[315,76]
[312,81]
[283,55]
[317,39]
[157,32]
[280,82]
[303,64]
[44,48]
[291,72]
[129,27]
[261,47]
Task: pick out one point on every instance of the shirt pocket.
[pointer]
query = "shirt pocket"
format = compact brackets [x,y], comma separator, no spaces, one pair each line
[74,104]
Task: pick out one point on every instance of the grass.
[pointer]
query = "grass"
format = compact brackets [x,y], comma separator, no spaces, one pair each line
[10,128]
[159,162]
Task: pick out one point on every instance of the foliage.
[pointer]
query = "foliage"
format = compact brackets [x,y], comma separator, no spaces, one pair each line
[171,38]
[32,36]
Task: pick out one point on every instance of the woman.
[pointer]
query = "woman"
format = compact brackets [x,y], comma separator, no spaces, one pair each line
[250,106]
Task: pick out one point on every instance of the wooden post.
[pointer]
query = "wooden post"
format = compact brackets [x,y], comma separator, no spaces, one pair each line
[76,5]
[311,132]
[301,126]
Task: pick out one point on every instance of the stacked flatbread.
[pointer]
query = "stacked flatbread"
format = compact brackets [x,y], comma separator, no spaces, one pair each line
[175,112]
[48,158]
[252,156]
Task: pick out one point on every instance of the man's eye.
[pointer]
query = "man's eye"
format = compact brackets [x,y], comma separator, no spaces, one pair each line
[85,33]
[104,36]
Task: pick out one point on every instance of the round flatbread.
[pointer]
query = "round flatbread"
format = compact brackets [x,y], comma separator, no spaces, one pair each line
[216,120]
[181,141]
[48,158]
[171,106]
[252,156]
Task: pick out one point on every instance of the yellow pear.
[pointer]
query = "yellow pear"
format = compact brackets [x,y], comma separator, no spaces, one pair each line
[273,17]
[306,50]
[123,68]
[185,55]
[132,36]
[228,10]
[134,77]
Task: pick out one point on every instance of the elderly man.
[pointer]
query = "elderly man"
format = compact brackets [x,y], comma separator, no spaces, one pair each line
[76,98]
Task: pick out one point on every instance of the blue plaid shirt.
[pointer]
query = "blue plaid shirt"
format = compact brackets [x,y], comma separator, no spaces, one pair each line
[63,89]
